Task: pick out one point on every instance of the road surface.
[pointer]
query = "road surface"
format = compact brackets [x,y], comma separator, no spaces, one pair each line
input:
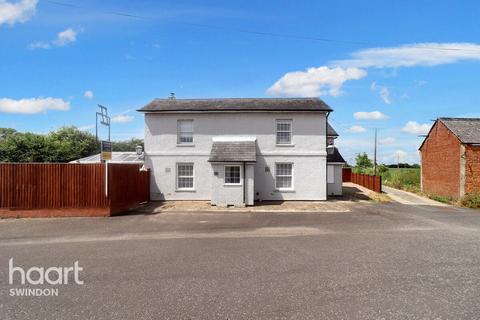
[378,261]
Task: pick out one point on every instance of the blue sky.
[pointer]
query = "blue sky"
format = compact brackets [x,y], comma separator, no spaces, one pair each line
[392,65]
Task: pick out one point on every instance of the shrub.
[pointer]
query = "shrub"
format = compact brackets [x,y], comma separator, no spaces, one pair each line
[439,198]
[471,200]
[406,179]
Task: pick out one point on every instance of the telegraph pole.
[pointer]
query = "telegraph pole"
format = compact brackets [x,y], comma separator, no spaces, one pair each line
[375,155]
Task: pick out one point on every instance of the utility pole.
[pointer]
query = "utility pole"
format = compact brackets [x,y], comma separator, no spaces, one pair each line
[375,155]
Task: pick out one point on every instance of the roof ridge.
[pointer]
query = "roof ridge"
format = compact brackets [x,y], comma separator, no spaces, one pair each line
[459,119]
[253,98]
[237,104]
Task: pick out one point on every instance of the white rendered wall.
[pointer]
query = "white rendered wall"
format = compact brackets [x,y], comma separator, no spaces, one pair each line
[335,188]
[307,153]
[226,194]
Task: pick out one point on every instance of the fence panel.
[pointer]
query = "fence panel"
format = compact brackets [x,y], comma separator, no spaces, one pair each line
[52,185]
[64,189]
[128,186]
[371,182]
[347,174]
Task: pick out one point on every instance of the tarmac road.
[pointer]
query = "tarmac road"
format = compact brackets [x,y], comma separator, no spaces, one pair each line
[378,261]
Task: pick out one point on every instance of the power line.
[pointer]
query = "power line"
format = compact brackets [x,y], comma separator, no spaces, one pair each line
[248,31]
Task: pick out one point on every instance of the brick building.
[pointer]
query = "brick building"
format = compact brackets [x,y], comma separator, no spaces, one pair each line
[450,157]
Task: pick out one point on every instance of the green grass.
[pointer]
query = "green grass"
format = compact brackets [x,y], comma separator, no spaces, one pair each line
[471,200]
[403,178]
[408,179]
[439,198]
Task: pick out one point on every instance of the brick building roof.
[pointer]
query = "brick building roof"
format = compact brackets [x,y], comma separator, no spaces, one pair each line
[467,130]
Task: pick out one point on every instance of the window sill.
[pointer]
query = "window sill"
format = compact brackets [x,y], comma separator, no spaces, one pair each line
[285,190]
[185,145]
[232,184]
[185,190]
[285,145]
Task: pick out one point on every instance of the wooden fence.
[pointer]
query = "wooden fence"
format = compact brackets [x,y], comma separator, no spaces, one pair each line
[371,182]
[63,189]
[127,185]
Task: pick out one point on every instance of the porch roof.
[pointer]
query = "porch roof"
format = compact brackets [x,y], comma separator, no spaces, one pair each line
[233,151]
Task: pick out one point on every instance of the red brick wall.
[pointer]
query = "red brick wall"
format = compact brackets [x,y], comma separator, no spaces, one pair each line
[472,169]
[441,163]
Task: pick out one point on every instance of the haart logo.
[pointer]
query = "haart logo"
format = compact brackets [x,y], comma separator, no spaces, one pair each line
[39,276]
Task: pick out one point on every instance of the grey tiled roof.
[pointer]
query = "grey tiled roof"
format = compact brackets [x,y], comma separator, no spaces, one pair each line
[236,104]
[467,130]
[330,131]
[335,157]
[233,151]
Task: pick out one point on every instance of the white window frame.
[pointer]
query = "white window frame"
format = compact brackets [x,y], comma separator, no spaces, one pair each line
[177,176]
[225,175]
[284,121]
[292,176]
[179,133]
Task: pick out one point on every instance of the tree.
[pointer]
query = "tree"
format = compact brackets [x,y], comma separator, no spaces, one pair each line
[63,145]
[6,132]
[70,143]
[362,161]
[23,147]
[128,145]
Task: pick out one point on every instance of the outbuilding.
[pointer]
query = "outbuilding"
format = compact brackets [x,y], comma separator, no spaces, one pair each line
[450,157]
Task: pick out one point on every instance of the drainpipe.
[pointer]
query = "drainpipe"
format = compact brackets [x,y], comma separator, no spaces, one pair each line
[244,184]
[326,162]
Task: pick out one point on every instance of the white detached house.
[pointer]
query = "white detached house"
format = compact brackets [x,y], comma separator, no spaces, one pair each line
[237,151]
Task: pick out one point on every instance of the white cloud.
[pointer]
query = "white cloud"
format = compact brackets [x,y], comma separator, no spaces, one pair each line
[88,94]
[419,83]
[315,82]
[383,91]
[374,115]
[16,12]
[400,156]
[416,128]
[386,141]
[328,80]
[32,105]
[411,55]
[357,129]
[122,118]
[63,38]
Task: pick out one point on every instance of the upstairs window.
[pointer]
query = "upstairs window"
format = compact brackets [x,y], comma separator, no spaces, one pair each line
[232,174]
[185,131]
[284,131]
